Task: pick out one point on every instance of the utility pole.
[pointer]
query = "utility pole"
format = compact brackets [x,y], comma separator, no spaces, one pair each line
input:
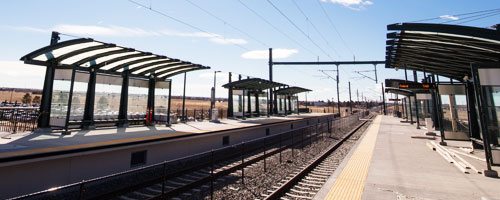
[338,92]
[350,101]
[383,98]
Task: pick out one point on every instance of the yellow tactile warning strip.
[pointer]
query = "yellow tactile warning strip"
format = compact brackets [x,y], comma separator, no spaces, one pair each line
[351,181]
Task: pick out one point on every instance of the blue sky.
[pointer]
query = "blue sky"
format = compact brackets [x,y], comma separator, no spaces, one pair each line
[26,26]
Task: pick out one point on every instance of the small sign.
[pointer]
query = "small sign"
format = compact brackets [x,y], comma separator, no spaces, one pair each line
[394,99]
[424,86]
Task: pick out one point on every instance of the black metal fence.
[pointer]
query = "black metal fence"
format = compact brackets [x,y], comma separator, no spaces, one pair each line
[120,183]
[18,119]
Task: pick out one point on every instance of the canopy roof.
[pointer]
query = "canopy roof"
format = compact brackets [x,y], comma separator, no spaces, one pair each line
[252,84]
[399,91]
[83,53]
[442,49]
[291,90]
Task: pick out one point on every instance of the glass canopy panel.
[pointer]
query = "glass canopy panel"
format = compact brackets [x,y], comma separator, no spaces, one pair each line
[492,104]
[161,101]
[107,58]
[281,104]
[80,56]
[153,66]
[60,97]
[238,99]
[107,97]
[79,96]
[106,67]
[61,51]
[137,99]
[146,62]
[175,71]
[252,104]
[294,100]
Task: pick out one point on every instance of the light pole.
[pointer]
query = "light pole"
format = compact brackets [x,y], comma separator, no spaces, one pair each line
[212,102]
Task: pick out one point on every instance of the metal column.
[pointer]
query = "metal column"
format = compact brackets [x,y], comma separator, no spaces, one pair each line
[271,97]
[122,113]
[88,114]
[416,100]
[230,99]
[169,102]
[183,117]
[350,101]
[151,100]
[48,84]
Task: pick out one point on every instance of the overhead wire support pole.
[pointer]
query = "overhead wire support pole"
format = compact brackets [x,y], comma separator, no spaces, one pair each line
[338,92]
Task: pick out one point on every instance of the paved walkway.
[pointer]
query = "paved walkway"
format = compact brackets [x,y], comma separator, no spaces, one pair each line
[404,168]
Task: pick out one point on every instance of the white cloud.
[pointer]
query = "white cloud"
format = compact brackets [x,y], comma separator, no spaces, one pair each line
[449,17]
[352,4]
[120,31]
[19,75]
[264,54]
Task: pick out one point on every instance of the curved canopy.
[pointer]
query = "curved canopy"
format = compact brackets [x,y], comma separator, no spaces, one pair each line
[442,49]
[399,91]
[252,84]
[108,58]
[291,90]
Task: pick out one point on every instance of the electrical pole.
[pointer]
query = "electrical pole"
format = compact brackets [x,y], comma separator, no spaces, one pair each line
[338,92]
[350,101]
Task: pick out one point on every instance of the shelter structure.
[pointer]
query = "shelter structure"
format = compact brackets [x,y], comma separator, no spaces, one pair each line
[89,83]
[287,99]
[248,97]
[470,58]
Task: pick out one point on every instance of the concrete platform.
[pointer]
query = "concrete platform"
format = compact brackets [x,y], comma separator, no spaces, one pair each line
[402,167]
[31,143]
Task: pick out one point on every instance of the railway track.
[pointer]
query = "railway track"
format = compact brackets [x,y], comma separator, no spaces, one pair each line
[199,183]
[308,180]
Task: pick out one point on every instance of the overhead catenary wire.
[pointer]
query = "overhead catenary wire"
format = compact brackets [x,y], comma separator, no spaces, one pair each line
[315,28]
[299,29]
[479,18]
[275,28]
[227,23]
[186,24]
[335,28]
[457,15]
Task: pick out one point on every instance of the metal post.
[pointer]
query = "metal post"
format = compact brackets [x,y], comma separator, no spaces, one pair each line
[289,104]
[416,100]
[350,100]
[169,102]
[440,116]
[183,117]
[257,108]
[482,122]
[212,174]
[70,100]
[265,144]
[267,104]
[271,97]
[151,100]
[230,111]
[383,99]
[48,84]
[376,77]
[281,135]
[242,163]
[88,114]
[122,113]
[338,92]
[243,106]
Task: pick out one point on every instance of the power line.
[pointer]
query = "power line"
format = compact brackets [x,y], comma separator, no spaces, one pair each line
[315,28]
[298,28]
[275,28]
[335,28]
[461,14]
[186,24]
[478,17]
[227,23]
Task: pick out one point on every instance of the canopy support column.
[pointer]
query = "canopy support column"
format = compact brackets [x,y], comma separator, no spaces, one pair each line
[440,115]
[122,113]
[230,111]
[48,84]
[257,108]
[183,116]
[289,97]
[416,100]
[272,98]
[169,123]
[151,101]
[88,114]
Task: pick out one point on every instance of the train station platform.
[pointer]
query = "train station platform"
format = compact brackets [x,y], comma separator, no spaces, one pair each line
[387,163]
[33,144]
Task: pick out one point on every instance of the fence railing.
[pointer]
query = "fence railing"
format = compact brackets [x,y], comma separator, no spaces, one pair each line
[113,185]
[18,119]
[197,114]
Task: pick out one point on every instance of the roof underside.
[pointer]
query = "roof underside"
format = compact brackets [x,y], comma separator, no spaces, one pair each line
[399,91]
[108,59]
[442,49]
[291,90]
[252,84]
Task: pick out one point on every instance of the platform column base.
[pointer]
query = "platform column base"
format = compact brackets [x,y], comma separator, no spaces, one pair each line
[490,173]
[430,134]
[443,143]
